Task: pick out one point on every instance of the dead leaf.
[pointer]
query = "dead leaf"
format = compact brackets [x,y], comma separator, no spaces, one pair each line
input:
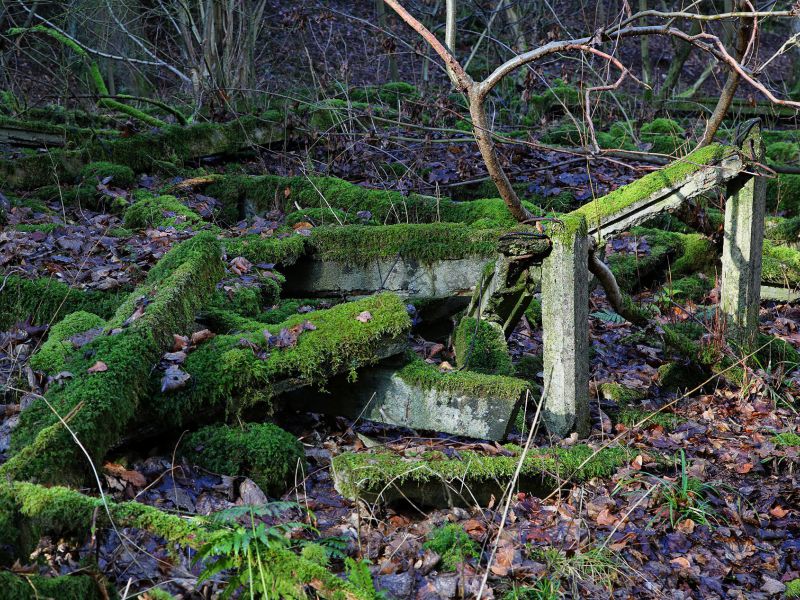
[302,225]
[364,316]
[135,478]
[636,464]
[201,336]
[240,265]
[778,511]
[174,378]
[98,367]
[745,468]
[681,562]
[605,518]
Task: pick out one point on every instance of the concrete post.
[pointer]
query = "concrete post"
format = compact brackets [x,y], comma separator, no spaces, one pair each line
[743,244]
[565,322]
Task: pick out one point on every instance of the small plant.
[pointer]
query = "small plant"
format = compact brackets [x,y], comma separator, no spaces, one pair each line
[245,551]
[544,589]
[453,544]
[359,576]
[792,589]
[593,564]
[682,498]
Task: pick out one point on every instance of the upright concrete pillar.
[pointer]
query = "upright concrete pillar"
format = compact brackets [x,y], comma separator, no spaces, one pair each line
[565,323]
[743,244]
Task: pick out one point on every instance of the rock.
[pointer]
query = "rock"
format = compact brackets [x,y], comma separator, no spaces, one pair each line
[397,586]
[772,586]
[250,494]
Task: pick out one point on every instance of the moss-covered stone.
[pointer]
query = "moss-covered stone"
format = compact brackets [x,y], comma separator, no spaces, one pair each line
[282,249]
[51,357]
[332,196]
[388,93]
[463,382]
[228,373]
[106,401]
[121,175]
[317,216]
[780,266]
[48,300]
[264,452]
[631,415]
[687,288]
[368,474]
[159,211]
[61,512]
[481,346]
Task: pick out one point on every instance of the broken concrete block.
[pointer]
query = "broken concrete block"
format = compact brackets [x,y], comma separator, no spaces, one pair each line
[434,260]
[432,479]
[421,397]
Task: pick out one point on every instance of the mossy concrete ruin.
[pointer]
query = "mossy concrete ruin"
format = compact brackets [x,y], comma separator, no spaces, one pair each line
[100,403]
[661,191]
[422,397]
[230,372]
[432,479]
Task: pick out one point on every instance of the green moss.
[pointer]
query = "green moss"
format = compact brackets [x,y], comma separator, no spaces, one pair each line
[40,227]
[553,100]
[248,300]
[783,194]
[792,589]
[465,382]
[783,231]
[787,439]
[327,194]
[783,152]
[51,357]
[598,211]
[358,244]
[121,175]
[620,394]
[317,216]
[48,300]
[108,400]
[780,266]
[665,135]
[453,544]
[481,346]
[361,472]
[317,554]
[389,93]
[288,308]
[264,452]
[159,211]
[227,374]
[37,587]
[774,350]
[283,249]
[534,312]
[683,253]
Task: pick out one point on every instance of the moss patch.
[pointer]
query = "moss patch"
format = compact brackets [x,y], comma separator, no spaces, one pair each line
[36,587]
[159,211]
[121,175]
[481,346]
[51,357]
[780,266]
[108,400]
[465,382]
[453,544]
[264,452]
[48,300]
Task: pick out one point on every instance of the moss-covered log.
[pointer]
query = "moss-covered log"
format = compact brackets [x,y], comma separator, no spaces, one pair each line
[232,371]
[142,152]
[329,200]
[111,374]
[433,479]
